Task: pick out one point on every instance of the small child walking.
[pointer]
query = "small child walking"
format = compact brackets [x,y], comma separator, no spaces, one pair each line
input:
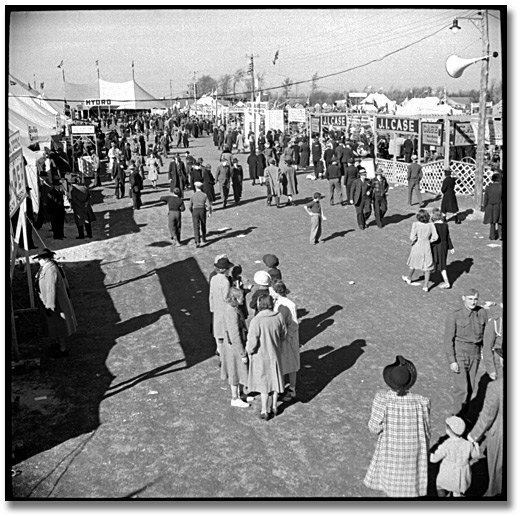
[456,454]
[316,213]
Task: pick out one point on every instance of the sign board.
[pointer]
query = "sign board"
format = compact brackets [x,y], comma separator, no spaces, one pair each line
[97,102]
[357,95]
[397,125]
[336,121]
[85,166]
[315,124]
[275,119]
[82,129]
[297,115]
[432,133]
[17,186]
[462,134]
[33,133]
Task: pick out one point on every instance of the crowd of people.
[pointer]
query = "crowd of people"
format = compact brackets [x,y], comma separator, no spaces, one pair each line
[255,327]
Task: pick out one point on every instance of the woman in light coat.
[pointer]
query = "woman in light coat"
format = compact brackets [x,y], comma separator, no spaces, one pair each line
[290,349]
[265,336]
[219,287]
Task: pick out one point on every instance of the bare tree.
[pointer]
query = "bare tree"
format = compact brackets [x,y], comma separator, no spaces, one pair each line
[286,86]
[237,78]
[260,76]
[224,83]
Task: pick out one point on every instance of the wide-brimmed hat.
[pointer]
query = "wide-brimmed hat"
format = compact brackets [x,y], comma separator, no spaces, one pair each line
[262,278]
[414,157]
[199,184]
[270,260]
[223,263]
[46,253]
[456,425]
[401,375]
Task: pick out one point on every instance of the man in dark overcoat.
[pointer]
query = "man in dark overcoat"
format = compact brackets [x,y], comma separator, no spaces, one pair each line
[493,207]
[360,197]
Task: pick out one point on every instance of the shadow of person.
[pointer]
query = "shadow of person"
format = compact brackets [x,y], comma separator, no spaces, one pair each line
[475,405]
[338,234]
[463,215]
[458,267]
[311,327]
[427,202]
[396,218]
[233,233]
[320,366]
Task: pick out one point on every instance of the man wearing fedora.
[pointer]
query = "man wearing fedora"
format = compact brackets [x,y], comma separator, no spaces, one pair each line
[200,207]
[401,419]
[463,339]
[57,317]
[491,424]
[414,177]
[360,196]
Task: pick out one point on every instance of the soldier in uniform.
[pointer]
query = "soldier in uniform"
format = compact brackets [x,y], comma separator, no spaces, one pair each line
[463,339]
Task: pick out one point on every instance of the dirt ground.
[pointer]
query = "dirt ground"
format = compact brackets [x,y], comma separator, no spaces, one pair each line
[138,409]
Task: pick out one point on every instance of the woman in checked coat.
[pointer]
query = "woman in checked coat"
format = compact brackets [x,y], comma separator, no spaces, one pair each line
[401,420]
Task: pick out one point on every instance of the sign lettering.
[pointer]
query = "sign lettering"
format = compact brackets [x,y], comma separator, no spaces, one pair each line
[297,115]
[463,134]
[17,189]
[432,134]
[398,125]
[337,121]
[82,129]
[97,102]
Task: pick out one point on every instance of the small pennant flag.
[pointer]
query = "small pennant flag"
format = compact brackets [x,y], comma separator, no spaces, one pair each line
[133,64]
[60,65]
[275,57]
[41,85]
[12,83]
[96,62]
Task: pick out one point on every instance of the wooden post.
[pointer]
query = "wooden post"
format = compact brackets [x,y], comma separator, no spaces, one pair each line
[447,128]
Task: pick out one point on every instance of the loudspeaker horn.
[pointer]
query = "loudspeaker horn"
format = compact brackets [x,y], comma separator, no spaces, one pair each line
[455,65]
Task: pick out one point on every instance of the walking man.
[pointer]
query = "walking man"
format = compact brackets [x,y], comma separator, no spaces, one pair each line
[237,180]
[463,338]
[380,187]
[136,186]
[333,174]
[200,208]
[317,152]
[414,176]
[360,196]
[223,177]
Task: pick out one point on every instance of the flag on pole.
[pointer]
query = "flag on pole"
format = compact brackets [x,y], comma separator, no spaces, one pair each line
[133,63]
[41,85]
[60,65]
[276,57]
[96,62]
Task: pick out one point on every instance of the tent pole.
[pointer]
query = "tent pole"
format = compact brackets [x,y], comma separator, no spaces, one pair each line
[26,252]
[14,339]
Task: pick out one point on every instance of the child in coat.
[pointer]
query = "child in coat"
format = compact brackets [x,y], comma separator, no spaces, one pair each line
[456,454]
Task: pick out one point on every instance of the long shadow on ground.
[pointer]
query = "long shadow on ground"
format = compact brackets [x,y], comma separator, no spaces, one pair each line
[320,366]
[457,268]
[310,327]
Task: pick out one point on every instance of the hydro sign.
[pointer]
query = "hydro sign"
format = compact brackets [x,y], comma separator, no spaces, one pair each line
[398,125]
[97,102]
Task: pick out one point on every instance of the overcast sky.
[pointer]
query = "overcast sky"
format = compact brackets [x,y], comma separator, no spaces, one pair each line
[168,46]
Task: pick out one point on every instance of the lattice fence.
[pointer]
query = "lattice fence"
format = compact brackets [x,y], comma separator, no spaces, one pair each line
[433,175]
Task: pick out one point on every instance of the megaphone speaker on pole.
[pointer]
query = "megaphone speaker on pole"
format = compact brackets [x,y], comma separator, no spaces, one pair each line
[455,65]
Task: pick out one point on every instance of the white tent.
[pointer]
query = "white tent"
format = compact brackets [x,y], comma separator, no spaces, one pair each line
[426,106]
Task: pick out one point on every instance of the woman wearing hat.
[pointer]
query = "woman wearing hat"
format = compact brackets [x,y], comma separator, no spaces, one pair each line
[272,262]
[265,335]
[401,420]
[57,317]
[449,202]
[263,281]
[219,287]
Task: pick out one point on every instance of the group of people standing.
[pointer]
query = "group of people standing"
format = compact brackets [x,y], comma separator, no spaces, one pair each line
[258,349]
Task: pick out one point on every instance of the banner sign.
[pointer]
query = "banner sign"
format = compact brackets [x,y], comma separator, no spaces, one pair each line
[315,124]
[97,102]
[275,119]
[33,133]
[82,129]
[398,125]
[336,121]
[462,134]
[85,166]
[432,133]
[297,115]
[17,187]
[357,95]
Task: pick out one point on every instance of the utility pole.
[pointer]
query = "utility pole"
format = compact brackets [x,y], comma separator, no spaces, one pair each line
[481,136]
[195,88]
[252,92]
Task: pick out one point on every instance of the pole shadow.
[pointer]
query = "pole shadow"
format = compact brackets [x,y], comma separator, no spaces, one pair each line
[396,218]
[231,234]
[338,234]
[311,327]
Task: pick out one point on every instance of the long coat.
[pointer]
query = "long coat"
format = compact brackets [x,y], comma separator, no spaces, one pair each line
[252,166]
[219,287]
[290,359]
[304,156]
[290,184]
[208,185]
[493,204]
[261,164]
[232,367]
[177,176]
[80,205]
[53,295]
[274,179]
[399,465]
[265,336]
[449,202]
[491,423]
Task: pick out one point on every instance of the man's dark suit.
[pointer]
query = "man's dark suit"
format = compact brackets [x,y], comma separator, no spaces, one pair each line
[360,194]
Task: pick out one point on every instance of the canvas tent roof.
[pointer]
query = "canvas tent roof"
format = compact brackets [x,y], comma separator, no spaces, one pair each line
[27,108]
[123,95]
[426,106]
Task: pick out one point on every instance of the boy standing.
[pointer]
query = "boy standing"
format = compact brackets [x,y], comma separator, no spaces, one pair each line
[314,210]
